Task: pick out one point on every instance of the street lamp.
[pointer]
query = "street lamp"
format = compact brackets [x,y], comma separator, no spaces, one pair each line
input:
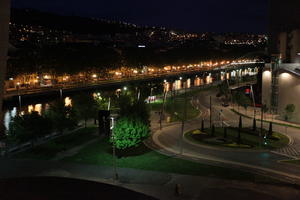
[114,149]
[180,134]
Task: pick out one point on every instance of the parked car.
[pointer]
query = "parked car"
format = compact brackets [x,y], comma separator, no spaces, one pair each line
[225,104]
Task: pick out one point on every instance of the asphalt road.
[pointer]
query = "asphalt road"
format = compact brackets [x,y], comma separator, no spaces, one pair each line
[170,138]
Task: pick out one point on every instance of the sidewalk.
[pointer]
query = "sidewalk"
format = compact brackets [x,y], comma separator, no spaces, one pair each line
[267,116]
[292,130]
[155,184]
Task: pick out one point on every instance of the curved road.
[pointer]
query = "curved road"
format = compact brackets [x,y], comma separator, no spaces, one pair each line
[263,162]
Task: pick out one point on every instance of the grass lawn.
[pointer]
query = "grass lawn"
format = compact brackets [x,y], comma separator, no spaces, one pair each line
[156,105]
[50,149]
[99,153]
[178,105]
[248,140]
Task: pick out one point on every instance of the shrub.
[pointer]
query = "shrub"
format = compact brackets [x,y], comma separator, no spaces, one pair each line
[129,132]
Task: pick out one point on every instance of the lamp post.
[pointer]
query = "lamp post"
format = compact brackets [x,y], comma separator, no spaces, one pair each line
[182,121]
[114,149]
[210,113]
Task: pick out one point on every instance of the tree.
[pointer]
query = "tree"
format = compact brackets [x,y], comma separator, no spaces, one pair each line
[270,132]
[129,132]
[244,101]
[85,107]
[289,110]
[265,108]
[224,90]
[29,126]
[239,130]
[236,98]
[254,124]
[225,132]
[62,117]
[213,130]
[101,101]
[202,125]
[135,109]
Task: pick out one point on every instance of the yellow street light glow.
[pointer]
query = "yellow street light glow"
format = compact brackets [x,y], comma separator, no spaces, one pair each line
[94,75]
[267,73]
[285,75]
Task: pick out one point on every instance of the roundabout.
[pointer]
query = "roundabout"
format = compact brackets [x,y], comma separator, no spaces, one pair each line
[228,138]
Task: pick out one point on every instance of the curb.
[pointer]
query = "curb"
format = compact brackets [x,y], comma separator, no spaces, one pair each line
[169,151]
[227,149]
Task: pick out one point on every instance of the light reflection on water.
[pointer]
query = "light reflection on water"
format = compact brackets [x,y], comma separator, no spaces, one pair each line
[40,108]
[10,113]
[8,117]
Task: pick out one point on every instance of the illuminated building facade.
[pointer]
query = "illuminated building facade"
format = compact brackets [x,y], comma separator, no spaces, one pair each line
[281,78]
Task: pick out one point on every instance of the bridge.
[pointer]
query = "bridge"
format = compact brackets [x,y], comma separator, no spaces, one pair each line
[203,72]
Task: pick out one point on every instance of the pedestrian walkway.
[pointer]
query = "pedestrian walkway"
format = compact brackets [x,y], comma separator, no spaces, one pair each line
[288,128]
[266,116]
[156,184]
[73,151]
[289,151]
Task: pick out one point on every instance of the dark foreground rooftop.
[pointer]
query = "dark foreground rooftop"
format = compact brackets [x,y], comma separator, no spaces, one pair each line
[54,188]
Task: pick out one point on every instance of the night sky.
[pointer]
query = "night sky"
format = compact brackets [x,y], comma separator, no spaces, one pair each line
[189,15]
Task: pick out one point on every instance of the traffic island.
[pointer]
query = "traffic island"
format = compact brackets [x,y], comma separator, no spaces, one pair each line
[245,138]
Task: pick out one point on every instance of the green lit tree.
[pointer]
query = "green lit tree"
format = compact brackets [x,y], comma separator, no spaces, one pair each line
[129,132]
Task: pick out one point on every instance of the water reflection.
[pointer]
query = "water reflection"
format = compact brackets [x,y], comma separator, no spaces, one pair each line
[42,106]
[27,109]
[8,117]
